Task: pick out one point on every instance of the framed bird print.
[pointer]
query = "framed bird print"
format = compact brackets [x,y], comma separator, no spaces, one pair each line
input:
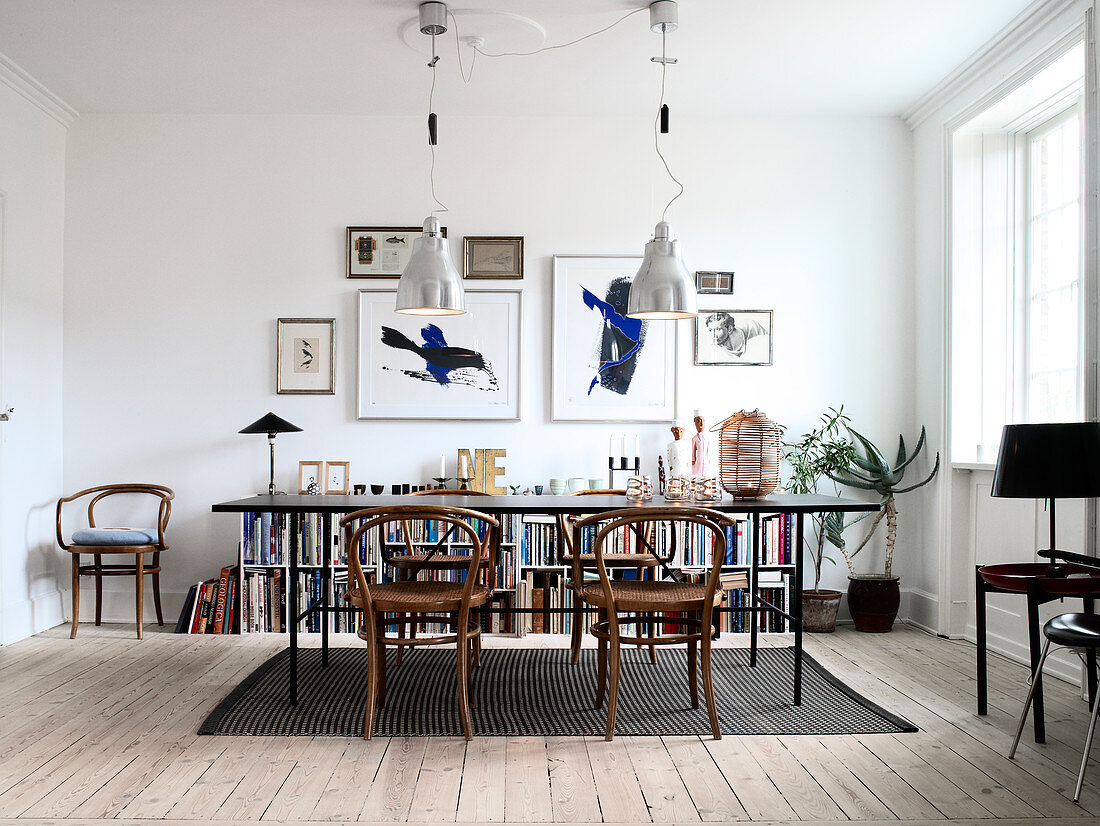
[440,367]
[305,356]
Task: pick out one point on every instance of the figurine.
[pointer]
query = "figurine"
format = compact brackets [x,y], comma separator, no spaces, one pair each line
[700,449]
[679,454]
[660,476]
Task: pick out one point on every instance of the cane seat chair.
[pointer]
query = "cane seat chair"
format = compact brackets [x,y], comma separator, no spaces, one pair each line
[653,604]
[640,562]
[97,541]
[409,602]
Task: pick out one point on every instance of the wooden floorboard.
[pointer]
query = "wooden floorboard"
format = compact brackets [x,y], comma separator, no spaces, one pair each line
[102,729]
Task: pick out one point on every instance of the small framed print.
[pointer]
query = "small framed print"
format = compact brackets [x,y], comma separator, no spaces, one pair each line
[380,252]
[306,356]
[337,477]
[728,337]
[310,476]
[709,281]
[487,256]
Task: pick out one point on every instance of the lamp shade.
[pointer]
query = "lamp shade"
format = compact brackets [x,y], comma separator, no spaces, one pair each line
[1049,461]
[663,288]
[430,284]
[271,424]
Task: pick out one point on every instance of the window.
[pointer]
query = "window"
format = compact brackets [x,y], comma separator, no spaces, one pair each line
[1016,261]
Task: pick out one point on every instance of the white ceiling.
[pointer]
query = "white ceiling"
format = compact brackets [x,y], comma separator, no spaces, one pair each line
[860,57]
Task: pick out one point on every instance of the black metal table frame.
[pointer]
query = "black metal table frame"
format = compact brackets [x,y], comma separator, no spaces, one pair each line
[296,505]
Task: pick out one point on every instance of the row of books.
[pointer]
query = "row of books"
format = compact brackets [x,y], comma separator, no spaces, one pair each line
[263,600]
[211,607]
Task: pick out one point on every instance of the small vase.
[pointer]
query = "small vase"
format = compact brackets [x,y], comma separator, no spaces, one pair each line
[873,601]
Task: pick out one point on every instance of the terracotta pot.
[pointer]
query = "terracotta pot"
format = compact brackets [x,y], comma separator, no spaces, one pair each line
[819,610]
[873,601]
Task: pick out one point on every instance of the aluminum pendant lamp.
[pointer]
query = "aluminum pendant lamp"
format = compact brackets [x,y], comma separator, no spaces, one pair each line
[430,284]
[663,288]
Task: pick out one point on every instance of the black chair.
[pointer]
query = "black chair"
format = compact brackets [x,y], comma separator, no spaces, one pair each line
[1072,631]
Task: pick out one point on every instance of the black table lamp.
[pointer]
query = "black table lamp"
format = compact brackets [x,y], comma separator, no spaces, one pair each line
[271,425]
[1049,461]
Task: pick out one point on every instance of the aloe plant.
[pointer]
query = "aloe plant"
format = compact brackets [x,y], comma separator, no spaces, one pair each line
[871,471]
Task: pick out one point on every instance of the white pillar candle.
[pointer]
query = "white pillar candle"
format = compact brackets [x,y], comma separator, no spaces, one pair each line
[464,474]
[611,445]
[442,465]
[623,453]
[637,447]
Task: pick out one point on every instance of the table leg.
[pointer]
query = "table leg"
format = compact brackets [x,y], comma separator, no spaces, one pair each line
[1090,657]
[753,580]
[292,610]
[1036,651]
[326,582]
[795,609]
[979,620]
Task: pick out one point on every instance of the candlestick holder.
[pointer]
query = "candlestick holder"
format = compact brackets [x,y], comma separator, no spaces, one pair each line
[442,482]
[463,482]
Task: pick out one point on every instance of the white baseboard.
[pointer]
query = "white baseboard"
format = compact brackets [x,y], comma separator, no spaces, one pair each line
[1066,666]
[921,609]
[30,616]
[118,606]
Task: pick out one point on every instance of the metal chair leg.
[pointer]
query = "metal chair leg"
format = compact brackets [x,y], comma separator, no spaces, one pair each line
[1030,697]
[1088,748]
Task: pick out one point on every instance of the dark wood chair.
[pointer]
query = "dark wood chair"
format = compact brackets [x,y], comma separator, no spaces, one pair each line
[653,604]
[639,562]
[411,601]
[99,541]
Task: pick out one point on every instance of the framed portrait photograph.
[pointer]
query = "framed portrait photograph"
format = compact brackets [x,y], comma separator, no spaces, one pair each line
[380,252]
[727,337]
[608,367]
[710,281]
[440,367]
[311,476]
[338,477]
[305,357]
[487,256]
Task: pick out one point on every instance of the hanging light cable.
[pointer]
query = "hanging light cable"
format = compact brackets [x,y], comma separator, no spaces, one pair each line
[663,288]
[430,283]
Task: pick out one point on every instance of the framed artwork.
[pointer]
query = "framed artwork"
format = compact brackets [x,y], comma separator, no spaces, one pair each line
[310,474]
[305,355]
[709,281]
[440,367]
[380,252]
[485,256]
[608,367]
[733,337]
[338,477]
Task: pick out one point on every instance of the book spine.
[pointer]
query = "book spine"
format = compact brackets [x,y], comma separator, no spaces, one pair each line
[219,605]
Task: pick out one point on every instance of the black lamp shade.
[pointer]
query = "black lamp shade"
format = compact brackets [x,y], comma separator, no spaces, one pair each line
[271,424]
[1049,461]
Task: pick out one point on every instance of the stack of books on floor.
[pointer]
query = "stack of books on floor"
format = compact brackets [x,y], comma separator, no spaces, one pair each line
[211,607]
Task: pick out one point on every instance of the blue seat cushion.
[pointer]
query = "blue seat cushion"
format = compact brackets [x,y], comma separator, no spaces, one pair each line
[116,536]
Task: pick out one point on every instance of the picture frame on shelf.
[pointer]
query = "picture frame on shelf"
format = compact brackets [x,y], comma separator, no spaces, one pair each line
[338,477]
[305,356]
[311,473]
[713,281]
[492,256]
[476,378]
[607,367]
[380,252]
[733,337]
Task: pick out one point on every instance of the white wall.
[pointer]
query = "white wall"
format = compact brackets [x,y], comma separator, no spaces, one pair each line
[32,211]
[186,238]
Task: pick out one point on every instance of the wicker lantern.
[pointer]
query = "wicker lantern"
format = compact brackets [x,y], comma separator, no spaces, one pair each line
[748,455]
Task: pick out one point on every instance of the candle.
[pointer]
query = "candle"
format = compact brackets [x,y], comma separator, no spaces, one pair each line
[623,451]
[464,474]
[442,466]
[637,448]
[611,445]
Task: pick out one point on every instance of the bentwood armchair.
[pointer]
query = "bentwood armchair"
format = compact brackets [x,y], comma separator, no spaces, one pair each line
[411,602]
[98,542]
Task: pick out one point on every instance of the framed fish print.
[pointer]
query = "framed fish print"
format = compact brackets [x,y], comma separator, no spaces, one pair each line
[608,367]
[305,356]
[440,367]
[380,252]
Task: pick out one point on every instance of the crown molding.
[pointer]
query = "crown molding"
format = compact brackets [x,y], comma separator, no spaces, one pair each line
[13,76]
[1012,37]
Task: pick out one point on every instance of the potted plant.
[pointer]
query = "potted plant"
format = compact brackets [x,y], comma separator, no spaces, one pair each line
[873,599]
[822,451]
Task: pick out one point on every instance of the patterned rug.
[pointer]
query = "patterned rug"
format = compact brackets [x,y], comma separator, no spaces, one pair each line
[527,691]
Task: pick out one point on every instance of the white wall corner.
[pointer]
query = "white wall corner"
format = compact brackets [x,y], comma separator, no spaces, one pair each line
[31,616]
[920,608]
[20,81]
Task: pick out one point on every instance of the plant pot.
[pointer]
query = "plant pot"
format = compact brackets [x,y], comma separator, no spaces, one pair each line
[873,601]
[819,609]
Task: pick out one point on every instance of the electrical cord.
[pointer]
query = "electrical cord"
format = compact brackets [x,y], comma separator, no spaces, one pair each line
[560,45]
[657,133]
[431,146]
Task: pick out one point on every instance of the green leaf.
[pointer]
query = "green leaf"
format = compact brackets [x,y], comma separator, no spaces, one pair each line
[873,453]
[901,453]
[925,482]
[909,461]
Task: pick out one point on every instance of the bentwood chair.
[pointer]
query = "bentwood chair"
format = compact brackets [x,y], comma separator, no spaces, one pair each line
[1072,631]
[653,604]
[412,601]
[99,541]
[639,562]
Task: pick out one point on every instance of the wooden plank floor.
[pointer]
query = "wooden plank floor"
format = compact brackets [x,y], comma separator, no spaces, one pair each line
[102,729]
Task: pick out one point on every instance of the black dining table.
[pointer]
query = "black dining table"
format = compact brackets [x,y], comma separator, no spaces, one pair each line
[330,505]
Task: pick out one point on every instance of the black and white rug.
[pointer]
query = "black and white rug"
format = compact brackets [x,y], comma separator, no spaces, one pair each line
[537,692]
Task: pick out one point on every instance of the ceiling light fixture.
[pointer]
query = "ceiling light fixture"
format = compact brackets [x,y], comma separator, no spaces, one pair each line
[663,289]
[431,284]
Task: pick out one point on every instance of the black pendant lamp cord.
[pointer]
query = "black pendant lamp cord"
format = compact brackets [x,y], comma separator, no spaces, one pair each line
[662,115]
